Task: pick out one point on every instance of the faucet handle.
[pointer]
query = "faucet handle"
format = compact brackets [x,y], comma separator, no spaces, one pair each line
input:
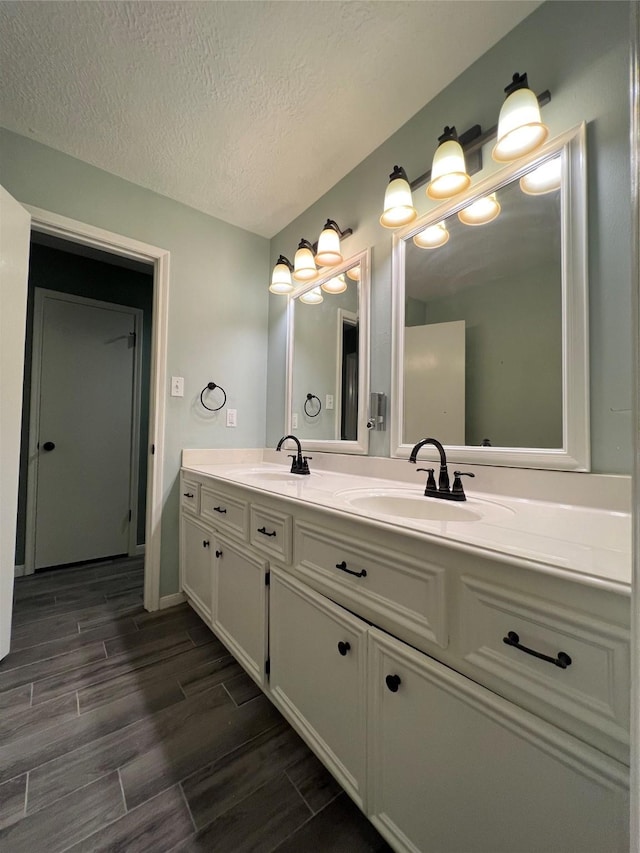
[431,481]
[294,461]
[457,488]
[305,464]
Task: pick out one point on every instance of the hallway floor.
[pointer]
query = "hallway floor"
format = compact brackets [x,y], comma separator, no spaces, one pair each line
[130,731]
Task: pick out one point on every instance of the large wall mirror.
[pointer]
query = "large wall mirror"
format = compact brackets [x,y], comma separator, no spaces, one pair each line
[490,320]
[328,359]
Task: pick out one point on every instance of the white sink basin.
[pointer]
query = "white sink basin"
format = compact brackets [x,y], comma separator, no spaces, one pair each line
[396,503]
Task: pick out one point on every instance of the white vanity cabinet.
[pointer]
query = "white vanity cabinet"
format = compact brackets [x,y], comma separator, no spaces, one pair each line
[196,569]
[454,767]
[318,654]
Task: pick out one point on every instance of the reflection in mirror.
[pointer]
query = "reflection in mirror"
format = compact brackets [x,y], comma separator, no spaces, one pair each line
[328,360]
[485,292]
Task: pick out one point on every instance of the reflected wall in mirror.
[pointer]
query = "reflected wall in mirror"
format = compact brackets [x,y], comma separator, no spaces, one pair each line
[327,387]
[490,323]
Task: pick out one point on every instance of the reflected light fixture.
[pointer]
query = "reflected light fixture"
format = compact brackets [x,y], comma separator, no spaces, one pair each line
[480,211]
[520,127]
[335,285]
[312,297]
[545,179]
[448,170]
[328,253]
[281,276]
[398,203]
[354,273]
[304,265]
[432,236]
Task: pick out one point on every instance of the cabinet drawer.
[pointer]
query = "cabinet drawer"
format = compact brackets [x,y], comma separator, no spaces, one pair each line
[403,595]
[271,532]
[593,687]
[190,495]
[225,512]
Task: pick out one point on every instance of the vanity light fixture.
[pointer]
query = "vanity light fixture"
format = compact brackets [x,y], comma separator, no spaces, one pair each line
[432,236]
[545,179]
[520,127]
[398,203]
[448,170]
[328,253]
[337,284]
[481,211]
[304,265]
[281,276]
[312,297]
[354,273]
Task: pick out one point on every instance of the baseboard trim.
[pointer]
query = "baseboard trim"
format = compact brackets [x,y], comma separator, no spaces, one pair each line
[172,600]
[139,550]
[18,571]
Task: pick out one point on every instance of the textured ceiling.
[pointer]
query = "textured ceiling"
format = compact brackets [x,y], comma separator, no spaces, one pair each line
[248,111]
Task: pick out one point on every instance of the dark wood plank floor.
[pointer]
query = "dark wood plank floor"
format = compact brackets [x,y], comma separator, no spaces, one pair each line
[122,730]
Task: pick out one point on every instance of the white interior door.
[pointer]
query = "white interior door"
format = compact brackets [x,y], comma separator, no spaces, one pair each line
[434,382]
[83,387]
[15,228]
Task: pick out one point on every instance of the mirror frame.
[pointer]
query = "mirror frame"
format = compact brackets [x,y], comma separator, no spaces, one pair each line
[361,444]
[574,455]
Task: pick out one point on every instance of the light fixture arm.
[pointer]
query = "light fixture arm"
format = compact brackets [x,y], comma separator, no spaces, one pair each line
[473,140]
[285,261]
[331,223]
[305,244]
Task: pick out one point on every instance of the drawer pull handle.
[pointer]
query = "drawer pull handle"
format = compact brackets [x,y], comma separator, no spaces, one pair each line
[393,682]
[343,568]
[188,494]
[219,509]
[512,639]
[343,648]
[218,554]
[263,530]
[205,543]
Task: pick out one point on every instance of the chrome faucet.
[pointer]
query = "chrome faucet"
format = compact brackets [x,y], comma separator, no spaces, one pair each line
[456,492]
[299,463]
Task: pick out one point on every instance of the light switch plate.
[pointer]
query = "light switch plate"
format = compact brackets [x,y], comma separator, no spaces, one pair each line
[294,420]
[177,386]
[329,401]
[232,417]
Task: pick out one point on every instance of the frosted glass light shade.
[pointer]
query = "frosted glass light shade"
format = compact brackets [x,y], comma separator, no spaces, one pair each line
[448,171]
[312,297]
[329,254]
[481,211]
[335,285]
[398,203]
[520,128]
[432,236]
[354,273]
[545,179]
[281,280]
[304,265]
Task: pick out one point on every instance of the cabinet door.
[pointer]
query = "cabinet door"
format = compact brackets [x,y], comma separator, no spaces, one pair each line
[196,546]
[318,676]
[453,768]
[240,605]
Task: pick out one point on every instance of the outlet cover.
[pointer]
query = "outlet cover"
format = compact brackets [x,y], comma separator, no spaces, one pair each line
[329,401]
[232,417]
[177,386]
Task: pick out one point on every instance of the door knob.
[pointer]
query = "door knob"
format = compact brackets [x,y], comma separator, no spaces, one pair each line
[48,445]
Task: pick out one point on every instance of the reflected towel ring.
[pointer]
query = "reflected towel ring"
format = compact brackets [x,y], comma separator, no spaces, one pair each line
[306,403]
[210,386]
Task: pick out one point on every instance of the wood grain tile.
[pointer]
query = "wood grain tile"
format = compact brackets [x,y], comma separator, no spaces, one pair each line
[22,722]
[18,698]
[36,612]
[217,787]
[160,617]
[42,671]
[207,737]
[12,799]
[158,825]
[338,828]
[255,824]
[210,674]
[68,821]
[242,688]
[314,782]
[201,635]
[34,633]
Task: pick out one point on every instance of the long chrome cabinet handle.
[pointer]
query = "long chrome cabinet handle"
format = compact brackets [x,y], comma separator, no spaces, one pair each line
[343,568]
[562,660]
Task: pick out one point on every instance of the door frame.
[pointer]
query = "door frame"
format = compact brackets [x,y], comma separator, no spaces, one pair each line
[73,231]
[40,294]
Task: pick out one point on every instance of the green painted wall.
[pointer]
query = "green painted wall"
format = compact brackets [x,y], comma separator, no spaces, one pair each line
[580,52]
[217,301]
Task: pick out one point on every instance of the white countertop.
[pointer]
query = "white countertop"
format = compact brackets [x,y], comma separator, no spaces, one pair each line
[593,545]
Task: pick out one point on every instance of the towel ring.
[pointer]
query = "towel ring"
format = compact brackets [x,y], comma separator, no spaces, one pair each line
[306,403]
[210,386]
